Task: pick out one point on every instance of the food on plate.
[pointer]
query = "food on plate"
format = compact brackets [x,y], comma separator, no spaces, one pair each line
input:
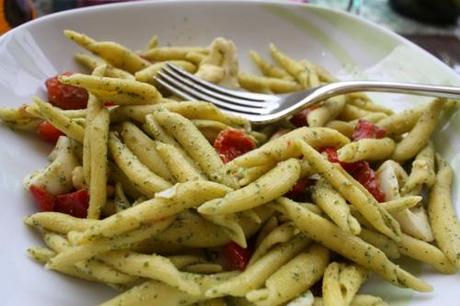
[178,203]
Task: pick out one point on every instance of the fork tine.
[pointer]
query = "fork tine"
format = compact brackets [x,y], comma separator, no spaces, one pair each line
[224,91]
[173,89]
[191,94]
[197,86]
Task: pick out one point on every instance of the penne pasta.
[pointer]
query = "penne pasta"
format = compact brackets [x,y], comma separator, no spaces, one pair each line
[91,63]
[147,74]
[195,145]
[335,206]
[179,167]
[280,234]
[382,242]
[294,68]
[165,204]
[77,253]
[255,275]
[445,226]
[265,84]
[119,91]
[351,112]
[347,187]
[400,123]
[422,173]
[157,197]
[99,133]
[350,246]
[362,101]
[60,121]
[283,147]
[400,204]
[145,149]
[267,69]
[159,54]
[293,278]
[344,127]
[420,135]
[143,179]
[115,54]
[427,253]
[220,66]
[367,149]
[89,269]
[341,282]
[328,110]
[149,266]
[268,187]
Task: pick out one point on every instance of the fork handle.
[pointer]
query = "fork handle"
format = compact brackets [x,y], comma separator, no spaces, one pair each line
[298,100]
[345,87]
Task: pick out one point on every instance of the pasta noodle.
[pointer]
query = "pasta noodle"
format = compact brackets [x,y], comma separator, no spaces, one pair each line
[293,278]
[446,229]
[341,282]
[180,203]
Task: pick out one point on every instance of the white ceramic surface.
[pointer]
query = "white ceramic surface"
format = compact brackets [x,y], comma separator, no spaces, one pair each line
[347,46]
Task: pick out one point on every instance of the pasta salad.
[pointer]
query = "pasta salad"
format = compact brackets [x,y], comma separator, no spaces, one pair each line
[178,203]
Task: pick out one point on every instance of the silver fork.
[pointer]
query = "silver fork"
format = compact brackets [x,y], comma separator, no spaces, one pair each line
[263,108]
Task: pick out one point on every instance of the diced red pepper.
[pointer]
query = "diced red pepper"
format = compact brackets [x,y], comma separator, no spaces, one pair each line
[236,256]
[66,96]
[48,132]
[366,129]
[44,200]
[74,203]
[231,143]
[331,154]
[366,176]
[299,192]
[299,119]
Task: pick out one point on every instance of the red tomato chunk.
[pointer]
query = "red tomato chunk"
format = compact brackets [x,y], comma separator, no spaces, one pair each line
[74,203]
[299,119]
[44,200]
[66,96]
[299,192]
[47,132]
[236,256]
[366,129]
[331,154]
[366,176]
[361,171]
[231,143]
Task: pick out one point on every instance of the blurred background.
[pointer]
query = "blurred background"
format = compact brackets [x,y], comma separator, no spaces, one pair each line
[432,24]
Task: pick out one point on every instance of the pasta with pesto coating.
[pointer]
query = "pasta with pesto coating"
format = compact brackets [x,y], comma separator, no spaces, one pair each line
[181,203]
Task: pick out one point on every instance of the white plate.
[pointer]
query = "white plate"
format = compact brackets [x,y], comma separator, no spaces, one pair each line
[344,44]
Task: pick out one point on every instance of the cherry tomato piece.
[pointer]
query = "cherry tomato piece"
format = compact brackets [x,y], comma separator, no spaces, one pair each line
[236,256]
[48,132]
[361,171]
[74,203]
[299,119]
[299,192]
[331,154]
[66,96]
[44,200]
[366,176]
[231,143]
[366,129]
[109,104]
